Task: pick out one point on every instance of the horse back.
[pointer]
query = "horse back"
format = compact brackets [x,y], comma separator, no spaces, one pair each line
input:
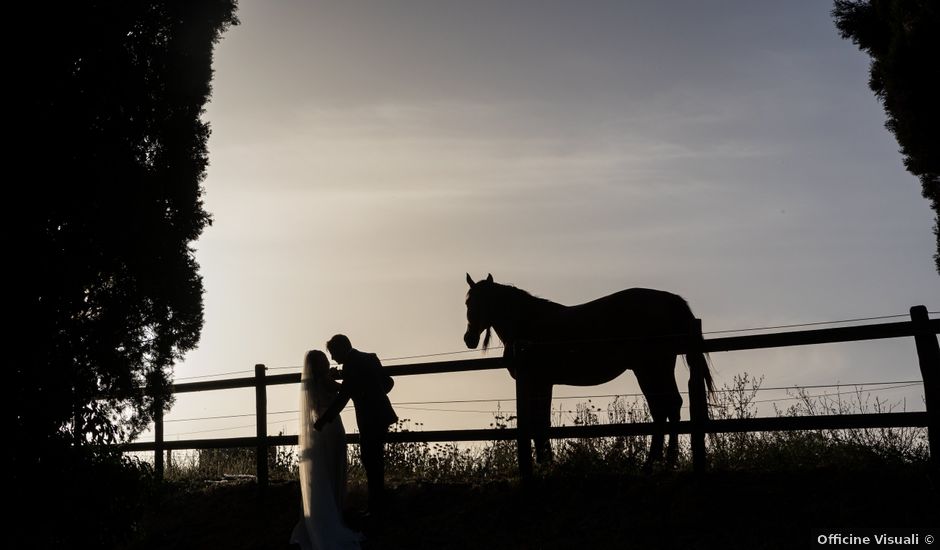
[635,312]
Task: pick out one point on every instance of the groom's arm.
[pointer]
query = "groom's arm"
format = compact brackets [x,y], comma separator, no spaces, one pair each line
[342,398]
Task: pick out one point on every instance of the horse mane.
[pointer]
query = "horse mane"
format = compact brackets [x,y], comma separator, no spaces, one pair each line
[518,304]
[517,296]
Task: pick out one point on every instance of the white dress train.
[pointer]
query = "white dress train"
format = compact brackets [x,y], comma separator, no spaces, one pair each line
[322,480]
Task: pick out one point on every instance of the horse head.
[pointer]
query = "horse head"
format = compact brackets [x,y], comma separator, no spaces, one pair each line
[478,312]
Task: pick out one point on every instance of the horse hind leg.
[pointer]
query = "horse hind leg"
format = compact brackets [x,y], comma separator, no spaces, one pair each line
[656,442]
[658,383]
[541,422]
[673,409]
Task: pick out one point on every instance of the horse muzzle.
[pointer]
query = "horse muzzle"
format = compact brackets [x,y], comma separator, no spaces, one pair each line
[472,340]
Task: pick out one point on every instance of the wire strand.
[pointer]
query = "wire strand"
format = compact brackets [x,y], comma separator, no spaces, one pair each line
[212,375]
[510,412]
[813,324]
[409,405]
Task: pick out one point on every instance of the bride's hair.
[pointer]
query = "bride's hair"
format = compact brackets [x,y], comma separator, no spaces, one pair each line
[316,366]
[317,387]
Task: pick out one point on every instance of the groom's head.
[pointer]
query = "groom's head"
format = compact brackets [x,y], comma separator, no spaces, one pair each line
[339,347]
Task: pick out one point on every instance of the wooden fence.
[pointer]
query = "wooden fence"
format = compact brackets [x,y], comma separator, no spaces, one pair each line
[920,327]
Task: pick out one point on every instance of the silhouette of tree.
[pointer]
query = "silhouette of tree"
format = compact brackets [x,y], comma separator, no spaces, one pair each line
[108,128]
[903,39]
[107,135]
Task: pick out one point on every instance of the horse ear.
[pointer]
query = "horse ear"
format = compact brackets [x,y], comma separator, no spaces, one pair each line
[489,277]
[470,280]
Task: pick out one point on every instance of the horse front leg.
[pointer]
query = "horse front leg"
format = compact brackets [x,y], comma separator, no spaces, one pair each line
[523,419]
[541,414]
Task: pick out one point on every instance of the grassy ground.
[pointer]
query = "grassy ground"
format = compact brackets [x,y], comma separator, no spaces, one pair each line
[732,509]
[764,490]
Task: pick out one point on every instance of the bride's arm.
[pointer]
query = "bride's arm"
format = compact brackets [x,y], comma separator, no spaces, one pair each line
[331,385]
[339,403]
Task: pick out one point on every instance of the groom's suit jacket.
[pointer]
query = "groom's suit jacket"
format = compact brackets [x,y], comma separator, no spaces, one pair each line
[366,384]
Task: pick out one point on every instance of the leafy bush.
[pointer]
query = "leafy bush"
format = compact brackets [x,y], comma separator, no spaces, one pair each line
[86,498]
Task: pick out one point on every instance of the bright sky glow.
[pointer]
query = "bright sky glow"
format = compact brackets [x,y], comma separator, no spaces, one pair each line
[365,155]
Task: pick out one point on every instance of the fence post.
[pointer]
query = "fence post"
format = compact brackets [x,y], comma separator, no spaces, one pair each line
[523,420]
[928,355]
[158,437]
[261,413]
[698,401]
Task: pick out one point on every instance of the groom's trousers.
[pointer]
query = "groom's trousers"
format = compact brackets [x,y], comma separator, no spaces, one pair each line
[372,454]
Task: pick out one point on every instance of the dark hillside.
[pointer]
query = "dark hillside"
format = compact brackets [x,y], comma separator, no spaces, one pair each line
[666,510]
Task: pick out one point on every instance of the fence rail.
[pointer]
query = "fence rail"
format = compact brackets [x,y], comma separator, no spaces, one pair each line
[921,328]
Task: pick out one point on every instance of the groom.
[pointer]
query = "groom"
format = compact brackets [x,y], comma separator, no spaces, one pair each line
[367,386]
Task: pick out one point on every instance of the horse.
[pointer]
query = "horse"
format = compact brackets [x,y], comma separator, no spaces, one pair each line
[589,344]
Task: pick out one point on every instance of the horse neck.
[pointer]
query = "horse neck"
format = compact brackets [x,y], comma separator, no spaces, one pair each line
[519,307]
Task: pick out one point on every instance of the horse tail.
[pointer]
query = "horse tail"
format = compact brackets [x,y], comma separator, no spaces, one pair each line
[697,360]
[698,369]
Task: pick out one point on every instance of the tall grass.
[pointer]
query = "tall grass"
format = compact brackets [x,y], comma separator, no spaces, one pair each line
[843,448]
[478,463]
[229,464]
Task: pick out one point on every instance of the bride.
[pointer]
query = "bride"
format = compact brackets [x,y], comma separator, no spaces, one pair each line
[322,464]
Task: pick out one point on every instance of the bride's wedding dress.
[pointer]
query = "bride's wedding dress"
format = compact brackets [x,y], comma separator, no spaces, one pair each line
[322,471]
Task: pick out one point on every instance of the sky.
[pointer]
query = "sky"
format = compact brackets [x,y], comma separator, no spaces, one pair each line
[366,155]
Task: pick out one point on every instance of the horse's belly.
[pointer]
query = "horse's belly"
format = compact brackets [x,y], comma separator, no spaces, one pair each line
[590,367]
[597,374]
